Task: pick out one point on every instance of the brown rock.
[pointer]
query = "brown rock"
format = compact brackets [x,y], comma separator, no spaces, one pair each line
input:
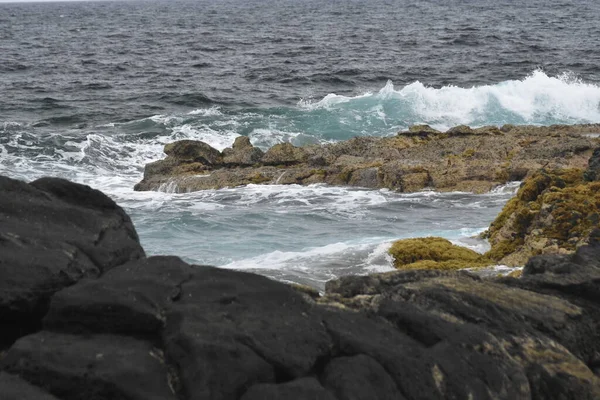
[194,150]
[284,154]
[242,153]
[462,159]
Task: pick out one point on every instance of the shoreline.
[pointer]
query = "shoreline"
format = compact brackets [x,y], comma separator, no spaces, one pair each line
[460,159]
[88,314]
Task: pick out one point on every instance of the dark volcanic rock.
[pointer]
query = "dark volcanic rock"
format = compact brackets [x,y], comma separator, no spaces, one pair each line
[131,300]
[53,233]
[535,336]
[14,388]
[300,389]
[158,328]
[592,173]
[360,378]
[91,367]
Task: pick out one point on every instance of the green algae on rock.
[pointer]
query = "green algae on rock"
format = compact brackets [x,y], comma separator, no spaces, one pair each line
[554,212]
[434,253]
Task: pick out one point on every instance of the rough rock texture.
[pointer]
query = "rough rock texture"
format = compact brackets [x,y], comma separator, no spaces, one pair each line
[462,158]
[540,330]
[242,153]
[554,212]
[158,328]
[15,388]
[592,173]
[52,234]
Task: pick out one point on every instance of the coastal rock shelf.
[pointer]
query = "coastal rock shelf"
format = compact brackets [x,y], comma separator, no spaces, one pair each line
[110,323]
[461,159]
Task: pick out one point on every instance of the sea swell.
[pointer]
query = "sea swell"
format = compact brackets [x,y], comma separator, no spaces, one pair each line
[538,99]
[121,149]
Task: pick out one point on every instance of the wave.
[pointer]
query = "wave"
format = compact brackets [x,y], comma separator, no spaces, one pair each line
[87,153]
[537,99]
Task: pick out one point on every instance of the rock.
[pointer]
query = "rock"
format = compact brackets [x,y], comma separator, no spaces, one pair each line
[53,234]
[420,130]
[487,321]
[434,253]
[554,212]
[592,173]
[359,378]
[577,274]
[211,323]
[14,388]
[300,389]
[91,367]
[462,159]
[194,150]
[185,158]
[460,130]
[284,154]
[131,300]
[395,175]
[158,328]
[242,153]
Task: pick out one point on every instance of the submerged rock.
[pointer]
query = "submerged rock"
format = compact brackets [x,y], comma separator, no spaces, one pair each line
[434,253]
[159,328]
[461,159]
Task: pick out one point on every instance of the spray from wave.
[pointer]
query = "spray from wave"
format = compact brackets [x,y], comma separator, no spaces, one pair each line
[537,99]
[111,156]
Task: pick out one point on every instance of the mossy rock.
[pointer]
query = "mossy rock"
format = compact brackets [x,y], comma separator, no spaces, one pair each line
[259,178]
[434,253]
[557,208]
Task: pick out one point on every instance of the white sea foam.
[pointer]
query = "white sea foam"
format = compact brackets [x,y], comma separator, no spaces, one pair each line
[536,99]
[509,187]
[265,138]
[217,139]
[328,261]
[207,112]
[494,270]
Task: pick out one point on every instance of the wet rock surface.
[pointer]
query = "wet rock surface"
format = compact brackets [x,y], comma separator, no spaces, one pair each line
[159,328]
[461,159]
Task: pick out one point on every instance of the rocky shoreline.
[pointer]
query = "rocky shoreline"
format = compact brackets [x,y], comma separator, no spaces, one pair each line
[554,212]
[460,159]
[86,315]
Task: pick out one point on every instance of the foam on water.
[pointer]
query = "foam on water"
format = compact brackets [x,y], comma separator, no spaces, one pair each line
[305,234]
[536,99]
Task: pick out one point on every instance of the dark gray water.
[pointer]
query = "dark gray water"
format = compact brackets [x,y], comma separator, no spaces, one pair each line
[91,91]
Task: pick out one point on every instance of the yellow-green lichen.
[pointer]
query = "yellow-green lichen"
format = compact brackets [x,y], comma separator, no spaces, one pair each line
[434,253]
[468,153]
[556,205]
[258,178]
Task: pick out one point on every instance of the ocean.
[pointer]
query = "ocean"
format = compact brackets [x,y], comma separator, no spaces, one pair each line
[91,92]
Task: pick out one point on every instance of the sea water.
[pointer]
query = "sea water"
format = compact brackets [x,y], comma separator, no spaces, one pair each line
[92,92]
